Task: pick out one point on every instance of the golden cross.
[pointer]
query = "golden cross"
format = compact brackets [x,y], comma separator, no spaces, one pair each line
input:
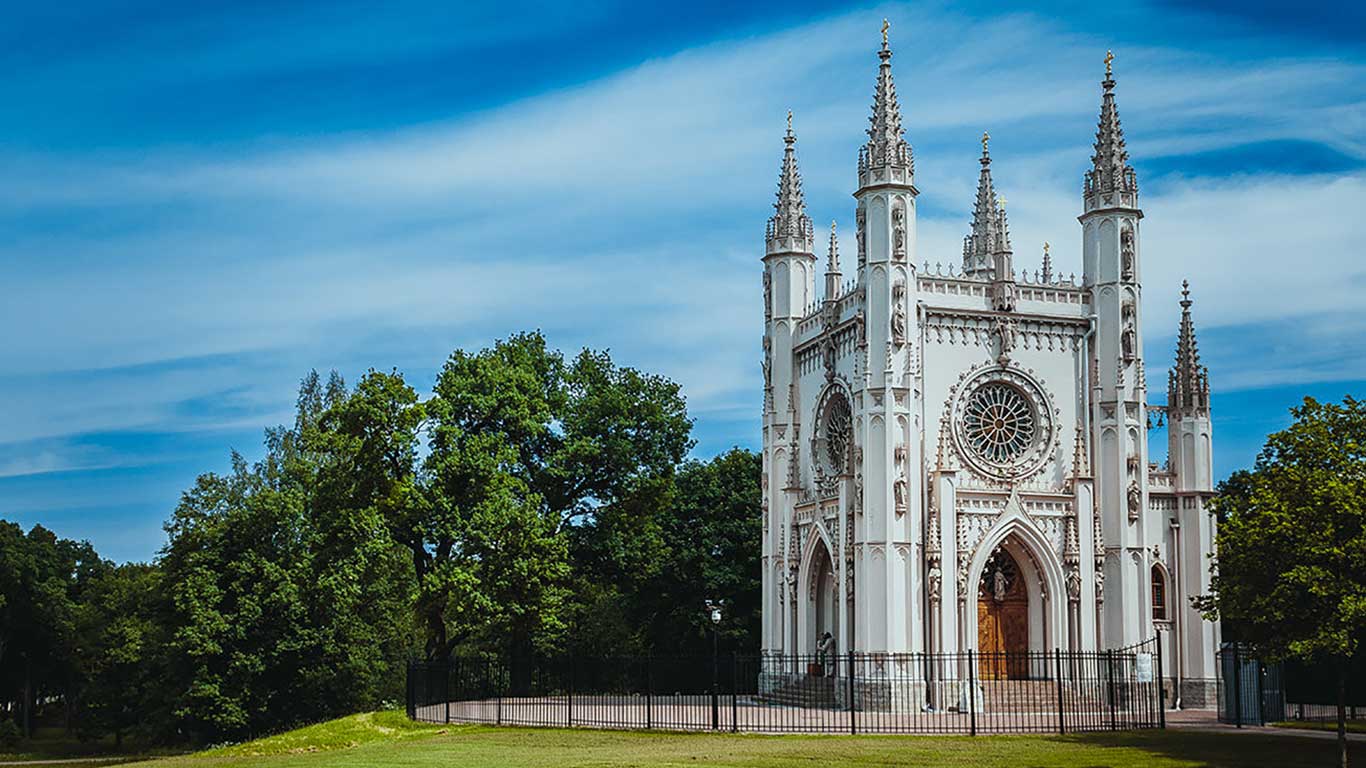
[985,138]
[1109,61]
[885,27]
[1045,246]
[1003,201]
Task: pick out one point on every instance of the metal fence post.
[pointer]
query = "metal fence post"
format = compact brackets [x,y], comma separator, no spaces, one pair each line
[649,695]
[408,693]
[1161,681]
[1057,658]
[569,720]
[734,692]
[449,670]
[972,696]
[849,689]
[1110,663]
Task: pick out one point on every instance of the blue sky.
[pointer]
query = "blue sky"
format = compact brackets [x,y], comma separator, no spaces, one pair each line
[202,201]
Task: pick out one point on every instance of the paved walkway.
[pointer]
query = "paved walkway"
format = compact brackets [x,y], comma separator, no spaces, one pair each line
[1208,720]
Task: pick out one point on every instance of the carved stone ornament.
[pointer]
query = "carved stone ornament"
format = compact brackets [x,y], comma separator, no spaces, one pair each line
[833,438]
[1135,498]
[860,221]
[768,294]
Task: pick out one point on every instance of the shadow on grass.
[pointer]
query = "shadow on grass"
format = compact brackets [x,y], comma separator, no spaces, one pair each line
[1219,749]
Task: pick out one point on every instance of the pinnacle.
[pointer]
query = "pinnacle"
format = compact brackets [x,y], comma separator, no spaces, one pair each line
[989,229]
[886,147]
[1110,170]
[1188,381]
[789,230]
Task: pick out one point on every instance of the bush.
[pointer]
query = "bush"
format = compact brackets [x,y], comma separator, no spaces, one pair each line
[9,733]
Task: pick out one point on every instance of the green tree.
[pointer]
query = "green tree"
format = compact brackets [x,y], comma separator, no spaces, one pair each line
[1291,544]
[120,631]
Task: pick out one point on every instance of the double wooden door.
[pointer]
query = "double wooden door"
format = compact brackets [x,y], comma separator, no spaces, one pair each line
[1002,621]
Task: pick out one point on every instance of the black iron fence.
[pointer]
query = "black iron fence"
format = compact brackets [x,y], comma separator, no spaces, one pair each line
[962,693]
[1253,692]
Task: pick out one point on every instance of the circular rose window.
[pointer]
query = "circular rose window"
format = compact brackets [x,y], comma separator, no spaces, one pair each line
[998,423]
[834,431]
[1002,423]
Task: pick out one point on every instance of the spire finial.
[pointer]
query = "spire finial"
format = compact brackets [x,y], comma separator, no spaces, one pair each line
[1185,294]
[886,25]
[1109,64]
[986,152]
[1003,202]
[1188,381]
[1045,247]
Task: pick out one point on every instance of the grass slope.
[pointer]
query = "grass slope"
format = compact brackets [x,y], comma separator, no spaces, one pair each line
[384,740]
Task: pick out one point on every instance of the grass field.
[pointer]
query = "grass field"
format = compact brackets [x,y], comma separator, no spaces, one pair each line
[387,739]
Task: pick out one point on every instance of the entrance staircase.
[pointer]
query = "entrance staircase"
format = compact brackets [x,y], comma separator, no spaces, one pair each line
[805,691]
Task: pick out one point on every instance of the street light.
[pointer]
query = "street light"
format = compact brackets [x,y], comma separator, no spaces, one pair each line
[714,608]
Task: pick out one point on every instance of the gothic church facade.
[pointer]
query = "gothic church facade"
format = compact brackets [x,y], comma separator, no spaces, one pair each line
[958,458]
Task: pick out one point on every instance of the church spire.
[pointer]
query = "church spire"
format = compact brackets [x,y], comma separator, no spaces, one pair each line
[1188,380]
[1046,276]
[1111,181]
[990,235]
[789,230]
[886,157]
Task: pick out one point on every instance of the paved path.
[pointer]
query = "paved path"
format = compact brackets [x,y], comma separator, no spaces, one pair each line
[1208,720]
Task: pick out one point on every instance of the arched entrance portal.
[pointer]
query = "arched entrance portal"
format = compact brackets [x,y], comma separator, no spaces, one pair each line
[1002,618]
[822,597]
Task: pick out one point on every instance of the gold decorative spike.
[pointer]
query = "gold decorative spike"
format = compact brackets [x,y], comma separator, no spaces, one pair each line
[1003,202]
[1109,63]
[985,138]
[885,26]
[1045,246]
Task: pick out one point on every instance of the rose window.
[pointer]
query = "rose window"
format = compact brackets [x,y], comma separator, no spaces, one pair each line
[1002,423]
[838,425]
[998,423]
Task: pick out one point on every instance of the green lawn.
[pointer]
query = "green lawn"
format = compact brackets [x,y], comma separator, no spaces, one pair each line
[381,740]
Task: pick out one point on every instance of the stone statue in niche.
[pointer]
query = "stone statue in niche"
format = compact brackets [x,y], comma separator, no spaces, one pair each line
[858,480]
[898,234]
[828,353]
[1128,341]
[860,219]
[1135,498]
[1126,249]
[768,294]
[899,314]
[934,579]
[1006,336]
[767,362]
[899,493]
[1074,584]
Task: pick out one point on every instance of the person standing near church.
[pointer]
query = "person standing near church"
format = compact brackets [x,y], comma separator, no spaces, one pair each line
[825,649]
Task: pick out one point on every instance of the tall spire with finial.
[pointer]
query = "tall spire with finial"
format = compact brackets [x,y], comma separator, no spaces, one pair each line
[832,267]
[1111,181]
[886,156]
[1188,380]
[989,234]
[1047,274]
[789,230]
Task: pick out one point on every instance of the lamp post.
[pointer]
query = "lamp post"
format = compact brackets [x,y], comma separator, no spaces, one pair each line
[714,608]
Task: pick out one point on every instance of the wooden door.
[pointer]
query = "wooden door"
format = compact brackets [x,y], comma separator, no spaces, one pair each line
[1002,620]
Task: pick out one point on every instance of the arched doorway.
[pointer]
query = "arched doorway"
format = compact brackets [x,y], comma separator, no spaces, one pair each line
[1002,618]
[822,608]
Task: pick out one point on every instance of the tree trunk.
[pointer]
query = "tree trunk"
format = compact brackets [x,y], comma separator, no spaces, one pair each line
[1342,713]
[28,699]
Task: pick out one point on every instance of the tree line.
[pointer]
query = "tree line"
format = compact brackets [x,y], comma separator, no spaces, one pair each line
[532,503]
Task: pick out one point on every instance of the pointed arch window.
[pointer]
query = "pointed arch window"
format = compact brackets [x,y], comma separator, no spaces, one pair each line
[1159,595]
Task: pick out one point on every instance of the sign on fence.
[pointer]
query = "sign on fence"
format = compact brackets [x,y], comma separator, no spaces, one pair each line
[1143,667]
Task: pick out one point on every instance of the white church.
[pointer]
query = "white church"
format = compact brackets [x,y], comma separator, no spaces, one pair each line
[957,458]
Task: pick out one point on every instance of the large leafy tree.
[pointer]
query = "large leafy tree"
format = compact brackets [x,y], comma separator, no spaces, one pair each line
[120,626]
[1291,571]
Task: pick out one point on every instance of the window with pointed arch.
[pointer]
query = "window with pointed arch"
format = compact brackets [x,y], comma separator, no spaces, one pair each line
[1159,595]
